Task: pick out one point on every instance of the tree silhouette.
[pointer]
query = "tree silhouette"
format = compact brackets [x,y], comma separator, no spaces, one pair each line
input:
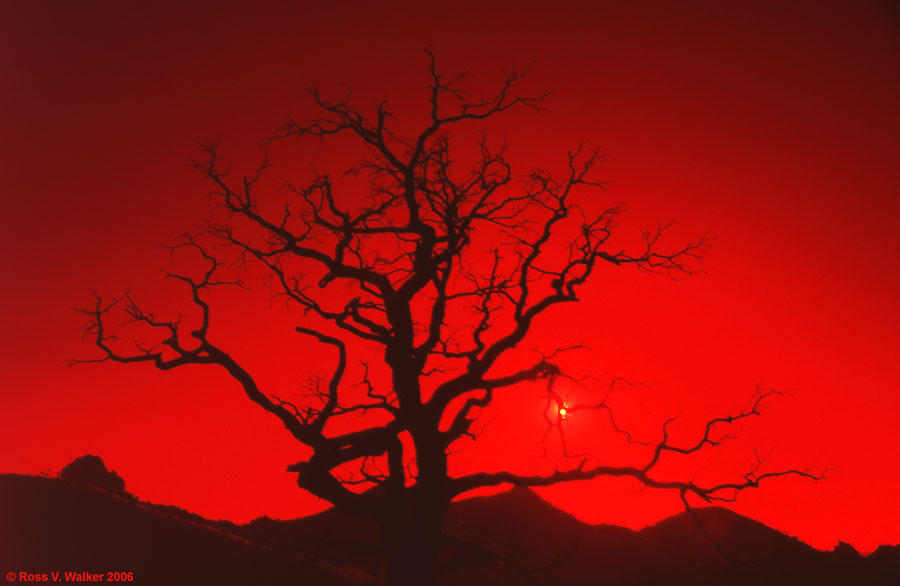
[444,271]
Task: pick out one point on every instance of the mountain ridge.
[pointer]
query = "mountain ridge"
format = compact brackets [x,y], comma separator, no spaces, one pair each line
[512,537]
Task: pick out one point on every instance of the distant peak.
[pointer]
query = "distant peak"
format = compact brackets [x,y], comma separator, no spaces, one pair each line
[522,492]
[844,549]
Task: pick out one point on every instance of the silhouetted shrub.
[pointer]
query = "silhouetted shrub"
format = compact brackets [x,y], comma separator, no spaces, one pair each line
[90,469]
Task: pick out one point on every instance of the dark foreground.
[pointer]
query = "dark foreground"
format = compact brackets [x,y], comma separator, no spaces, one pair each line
[52,525]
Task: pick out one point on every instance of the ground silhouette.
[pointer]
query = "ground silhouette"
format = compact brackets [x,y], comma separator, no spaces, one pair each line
[515,537]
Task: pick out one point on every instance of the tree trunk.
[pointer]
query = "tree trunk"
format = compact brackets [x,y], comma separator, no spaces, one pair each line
[411,525]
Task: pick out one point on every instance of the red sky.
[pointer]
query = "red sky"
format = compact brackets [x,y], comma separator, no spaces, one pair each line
[772,124]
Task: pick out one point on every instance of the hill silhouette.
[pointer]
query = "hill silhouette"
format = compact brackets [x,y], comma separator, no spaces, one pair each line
[56,525]
[50,524]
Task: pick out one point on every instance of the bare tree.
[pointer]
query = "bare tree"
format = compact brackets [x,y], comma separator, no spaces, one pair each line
[448,270]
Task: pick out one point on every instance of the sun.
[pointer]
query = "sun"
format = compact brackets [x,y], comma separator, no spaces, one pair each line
[563,412]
